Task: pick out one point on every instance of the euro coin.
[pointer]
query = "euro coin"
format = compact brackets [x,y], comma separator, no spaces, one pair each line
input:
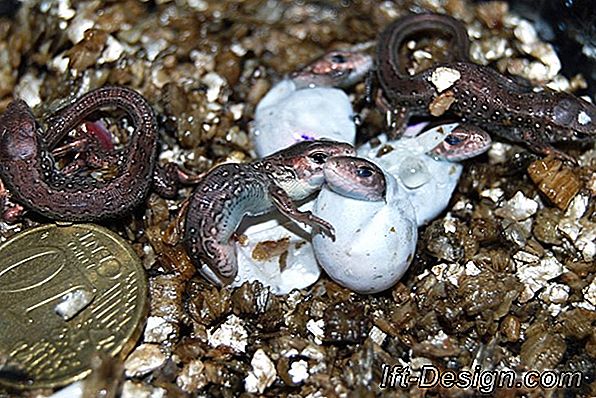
[66,292]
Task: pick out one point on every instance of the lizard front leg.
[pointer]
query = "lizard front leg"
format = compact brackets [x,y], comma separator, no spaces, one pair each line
[396,118]
[286,206]
[536,144]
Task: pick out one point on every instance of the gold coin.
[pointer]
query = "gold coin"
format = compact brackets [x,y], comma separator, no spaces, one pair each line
[65,293]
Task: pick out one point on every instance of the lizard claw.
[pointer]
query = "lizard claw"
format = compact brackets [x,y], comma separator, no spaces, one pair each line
[329,231]
[323,226]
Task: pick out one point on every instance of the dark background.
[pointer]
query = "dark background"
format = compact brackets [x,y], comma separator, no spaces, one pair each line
[570,25]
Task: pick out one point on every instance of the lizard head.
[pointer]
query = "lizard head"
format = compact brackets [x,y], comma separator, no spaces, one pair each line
[335,69]
[307,158]
[356,178]
[573,119]
[18,132]
[464,142]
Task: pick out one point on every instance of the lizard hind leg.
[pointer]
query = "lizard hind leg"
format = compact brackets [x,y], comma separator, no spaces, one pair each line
[222,262]
[169,177]
[215,260]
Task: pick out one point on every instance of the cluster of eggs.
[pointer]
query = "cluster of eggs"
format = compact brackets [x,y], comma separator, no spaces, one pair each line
[375,239]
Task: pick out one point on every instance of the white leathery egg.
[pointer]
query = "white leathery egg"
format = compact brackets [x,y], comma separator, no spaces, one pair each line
[287,115]
[292,265]
[428,182]
[375,241]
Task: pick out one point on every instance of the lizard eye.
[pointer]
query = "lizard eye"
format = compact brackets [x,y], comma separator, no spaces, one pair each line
[319,157]
[565,111]
[338,58]
[452,140]
[364,171]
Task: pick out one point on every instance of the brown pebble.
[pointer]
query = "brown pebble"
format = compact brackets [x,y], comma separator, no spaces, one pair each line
[591,345]
[545,226]
[543,348]
[404,316]
[558,183]
[437,348]
[492,13]
[174,99]
[86,52]
[166,297]
[577,323]
[250,298]
[227,65]
[441,104]
[345,322]
[207,303]
[442,245]
[258,91]
[485,230]
[573,280]
[459,9]
[488,293]
[511,327]
[190,348]
[500,260]
[581,268]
